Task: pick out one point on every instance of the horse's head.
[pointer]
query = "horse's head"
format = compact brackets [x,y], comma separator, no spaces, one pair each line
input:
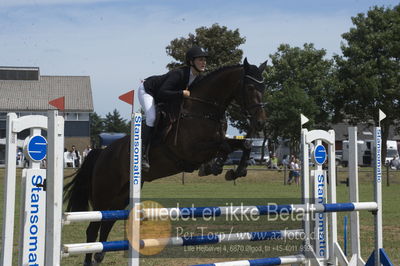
[251,97]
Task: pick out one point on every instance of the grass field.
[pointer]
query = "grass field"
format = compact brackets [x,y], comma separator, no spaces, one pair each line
[259,186]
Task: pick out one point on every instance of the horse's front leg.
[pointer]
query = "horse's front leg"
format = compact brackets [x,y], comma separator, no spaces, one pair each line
[241,170]
[215,166]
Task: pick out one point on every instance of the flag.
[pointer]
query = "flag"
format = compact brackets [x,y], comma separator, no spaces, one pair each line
[303,119]
[382,115]
[127,97]
[58,103]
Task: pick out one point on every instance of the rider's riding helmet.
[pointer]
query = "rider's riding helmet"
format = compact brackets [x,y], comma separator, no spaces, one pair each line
[194,52]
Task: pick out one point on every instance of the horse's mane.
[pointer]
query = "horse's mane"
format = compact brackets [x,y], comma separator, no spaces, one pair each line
[213,73]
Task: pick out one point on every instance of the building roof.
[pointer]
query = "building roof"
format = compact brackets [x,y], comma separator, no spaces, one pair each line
[34,95]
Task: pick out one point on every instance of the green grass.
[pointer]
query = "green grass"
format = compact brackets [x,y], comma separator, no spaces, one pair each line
[258,186]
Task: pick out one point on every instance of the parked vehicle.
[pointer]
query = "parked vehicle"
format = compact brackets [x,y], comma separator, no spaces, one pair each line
[363,155]
[234,157]
[256,154]
[338,157]
[257,151]
[391,152]
[365,152]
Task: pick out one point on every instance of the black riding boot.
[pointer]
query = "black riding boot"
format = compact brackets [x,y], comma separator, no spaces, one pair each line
[146,140]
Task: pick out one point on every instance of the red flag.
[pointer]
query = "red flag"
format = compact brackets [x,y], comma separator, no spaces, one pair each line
[58,103]
[127,97]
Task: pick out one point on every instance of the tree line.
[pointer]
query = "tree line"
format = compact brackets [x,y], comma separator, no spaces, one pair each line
[350,88]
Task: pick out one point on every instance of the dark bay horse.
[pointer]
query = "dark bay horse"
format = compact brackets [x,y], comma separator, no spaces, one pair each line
[196,136]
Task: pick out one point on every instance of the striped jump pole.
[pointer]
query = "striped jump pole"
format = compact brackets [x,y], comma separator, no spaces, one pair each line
[204,212]
[72,249]
[261,262]
[95,216]
[195,212]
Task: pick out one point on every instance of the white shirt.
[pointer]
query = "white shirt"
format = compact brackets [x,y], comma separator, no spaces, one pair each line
[192,77]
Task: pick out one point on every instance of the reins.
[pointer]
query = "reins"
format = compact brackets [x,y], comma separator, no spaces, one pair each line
[192,98]
[217,117]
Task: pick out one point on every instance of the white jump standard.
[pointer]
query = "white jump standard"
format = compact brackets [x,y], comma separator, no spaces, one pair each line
[36,204]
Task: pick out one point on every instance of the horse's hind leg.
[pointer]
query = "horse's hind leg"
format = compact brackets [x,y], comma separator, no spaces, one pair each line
[91,236]
[104,231]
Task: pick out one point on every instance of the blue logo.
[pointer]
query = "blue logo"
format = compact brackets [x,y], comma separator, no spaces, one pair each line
[37,148]
[320,154]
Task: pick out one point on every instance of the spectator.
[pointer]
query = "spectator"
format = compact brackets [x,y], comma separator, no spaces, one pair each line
[285,161]
[26,163]
[296,171]
[68,161]
[291,169]
[86,152]
[395,163]
[75,156]
[274,162]
[19,157]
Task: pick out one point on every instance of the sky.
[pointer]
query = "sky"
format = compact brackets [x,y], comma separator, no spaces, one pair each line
[118,43]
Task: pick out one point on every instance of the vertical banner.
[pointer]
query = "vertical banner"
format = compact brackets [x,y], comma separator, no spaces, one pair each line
[378,193]
[34,201]
[34,217]
[320,232]
[133,226]
[320,192]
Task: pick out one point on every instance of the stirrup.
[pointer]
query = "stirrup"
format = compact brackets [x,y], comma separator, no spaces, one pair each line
[145,165]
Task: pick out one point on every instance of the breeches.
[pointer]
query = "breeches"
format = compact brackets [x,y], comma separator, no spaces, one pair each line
[148,105]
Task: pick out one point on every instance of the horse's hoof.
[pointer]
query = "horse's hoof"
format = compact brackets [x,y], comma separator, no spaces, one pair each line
[230,175]
[98,257]
[201,171]
[204,170]
[242,173]
[216,169]
[90,263]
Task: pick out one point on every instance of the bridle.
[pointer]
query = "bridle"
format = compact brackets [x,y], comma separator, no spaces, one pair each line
[254,79]
[248,107]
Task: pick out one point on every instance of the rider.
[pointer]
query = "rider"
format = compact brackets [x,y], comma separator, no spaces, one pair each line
[170,87]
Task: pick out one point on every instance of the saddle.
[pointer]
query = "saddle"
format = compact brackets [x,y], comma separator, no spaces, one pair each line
[166,116]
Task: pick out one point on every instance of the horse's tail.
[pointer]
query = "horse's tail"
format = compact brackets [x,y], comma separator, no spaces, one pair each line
[78,190]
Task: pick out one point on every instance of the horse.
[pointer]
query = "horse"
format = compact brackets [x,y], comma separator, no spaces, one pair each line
[196,135]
